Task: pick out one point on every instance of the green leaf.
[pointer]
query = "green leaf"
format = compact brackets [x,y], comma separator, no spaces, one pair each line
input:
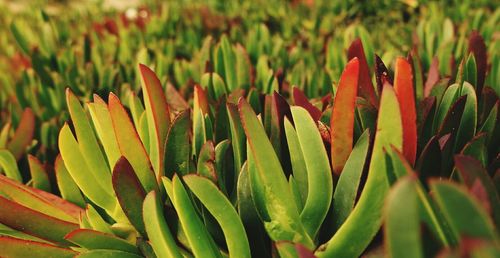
[402,224]
[450,96]
[248,214]
[297,160]
[471,171]
[80,172]
[319,174]
[67,186]
[96,221]
[225,214]
[14,247]
[430,214]
[178,150]
[464,214]
[104,128]
[9,165]
[21,39]
[39,176]
[200,241]
[158,115]
[468,122]
[87,144]
[157,229]
[284,221]
[346,190]
[238,138]
[365,220]
[470,73]
[90,239]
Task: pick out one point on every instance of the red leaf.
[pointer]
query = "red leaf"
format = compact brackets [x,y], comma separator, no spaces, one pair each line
[478,48]
[14,247]
[365,85]
[23,135]
[129,192]
[432,77]
[158,112]
[403,86]
[300,99]
[34,223]
[343,114]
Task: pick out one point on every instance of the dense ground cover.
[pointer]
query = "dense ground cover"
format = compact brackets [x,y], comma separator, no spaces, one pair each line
[252,128]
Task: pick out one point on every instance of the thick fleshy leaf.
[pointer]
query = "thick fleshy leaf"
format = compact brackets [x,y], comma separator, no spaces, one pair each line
[87,143]
[418,77]
[8,165]
[319,175]
[99,253]
[402,223]
[201,119]
[429,162]
[365,220]
[80,172]
[157,229]
[478,49]
[90,239]
[468,121]
[347,186]
[158,116]
[284,222]
[365,86]
[39,176]
[477,148]
[451,121]
[432,77]
[96,220]
[206,161]
[428,211]
[300,99]
[200,241]
[27,197]
[175,99]
[129,192]
[223,211]
[449,98]
[246,209]
[104,128]
[130,144]
[34,223]
[238,138]
[343,115]
[178,150]
[403,86]
[23,135]
[464,214]
[297,161]
[470,171]
[293,250]
[14,247]
[67,187]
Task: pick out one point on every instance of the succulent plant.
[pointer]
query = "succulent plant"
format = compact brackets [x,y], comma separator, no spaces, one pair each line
[254,138]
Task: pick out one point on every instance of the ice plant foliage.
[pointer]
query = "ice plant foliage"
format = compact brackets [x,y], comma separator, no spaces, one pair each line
[244,160]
